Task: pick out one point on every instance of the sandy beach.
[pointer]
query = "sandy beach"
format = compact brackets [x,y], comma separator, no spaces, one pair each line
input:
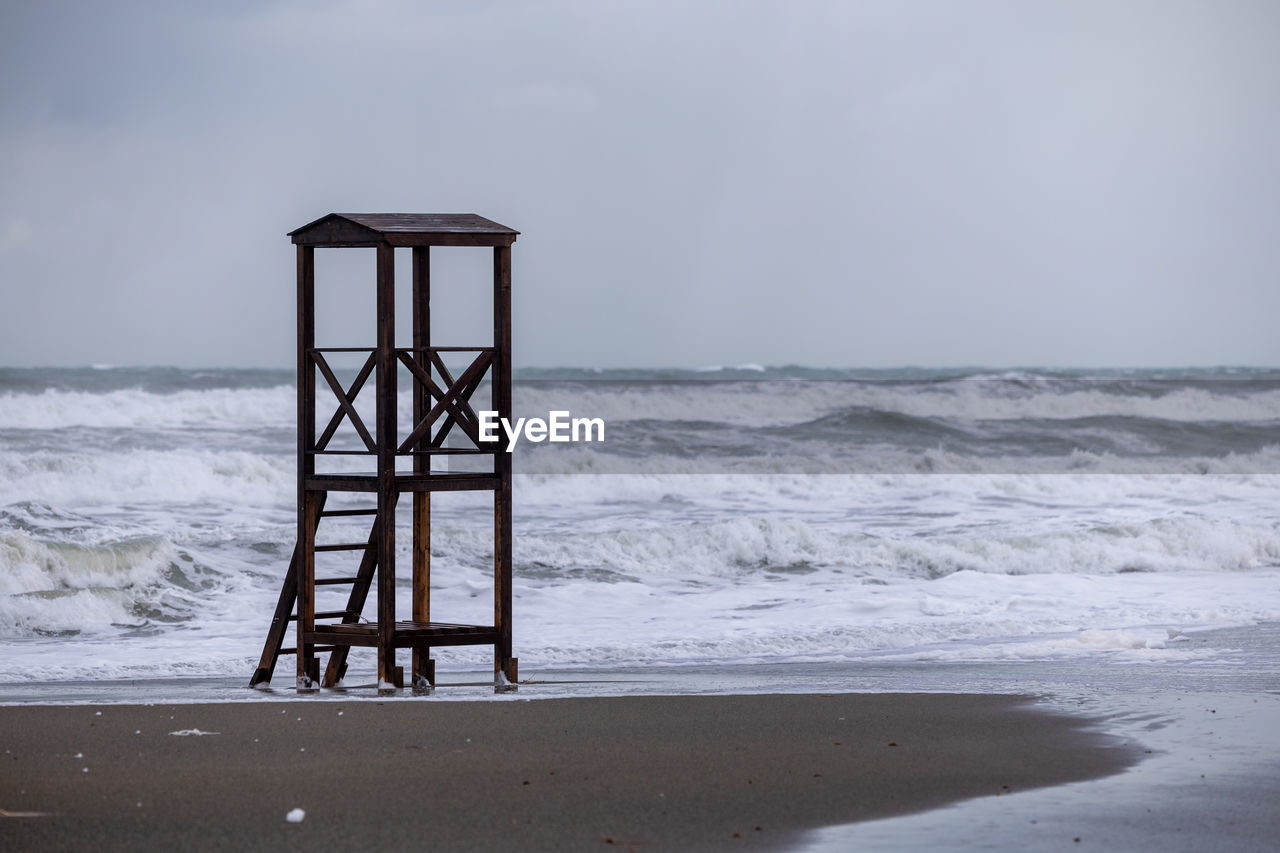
[649,772]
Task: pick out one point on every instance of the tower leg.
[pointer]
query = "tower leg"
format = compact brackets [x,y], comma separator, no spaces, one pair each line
[308,664]
[505,675]
[423,668]
[389,675]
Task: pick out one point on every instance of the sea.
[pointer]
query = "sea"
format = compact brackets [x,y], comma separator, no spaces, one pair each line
[725,516]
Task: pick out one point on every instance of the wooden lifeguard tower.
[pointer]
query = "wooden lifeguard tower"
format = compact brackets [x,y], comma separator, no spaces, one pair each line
[441,409]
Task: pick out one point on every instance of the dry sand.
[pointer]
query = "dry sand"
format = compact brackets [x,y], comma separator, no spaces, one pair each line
[649,772]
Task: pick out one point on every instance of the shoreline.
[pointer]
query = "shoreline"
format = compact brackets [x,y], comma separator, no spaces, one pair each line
[655,772]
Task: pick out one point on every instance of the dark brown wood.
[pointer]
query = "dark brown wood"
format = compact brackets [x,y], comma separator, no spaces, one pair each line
[306,604]
[307,508]
[326,614]
[386,427]
[453,400]
[405,240]
[407,634]
[422,667]
[403,229]
[440,481]
[447,403]
[306,371]
[467,391]
[501,382]
[346,399]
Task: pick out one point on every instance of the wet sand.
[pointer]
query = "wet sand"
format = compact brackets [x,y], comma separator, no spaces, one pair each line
[649,772]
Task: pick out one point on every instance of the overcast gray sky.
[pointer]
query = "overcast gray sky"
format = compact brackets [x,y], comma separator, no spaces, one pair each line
[838,184]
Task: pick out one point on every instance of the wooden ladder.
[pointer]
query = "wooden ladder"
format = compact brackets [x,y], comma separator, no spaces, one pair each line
[286,605]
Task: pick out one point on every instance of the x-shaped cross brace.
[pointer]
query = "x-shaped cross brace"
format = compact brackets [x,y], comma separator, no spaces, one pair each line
[454,401]
[346,398]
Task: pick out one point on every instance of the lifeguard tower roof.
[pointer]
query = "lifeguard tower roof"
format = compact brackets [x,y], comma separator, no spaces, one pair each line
[403,229]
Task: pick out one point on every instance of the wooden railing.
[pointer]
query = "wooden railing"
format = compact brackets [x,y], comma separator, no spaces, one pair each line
[448,401]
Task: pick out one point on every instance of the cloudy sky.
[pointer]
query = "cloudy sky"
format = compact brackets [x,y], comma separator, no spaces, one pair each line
[824,183]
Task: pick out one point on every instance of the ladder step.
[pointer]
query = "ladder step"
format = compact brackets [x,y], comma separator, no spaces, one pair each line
[333,513]
[346,546]
[293,650]
[324,614]
[329,581]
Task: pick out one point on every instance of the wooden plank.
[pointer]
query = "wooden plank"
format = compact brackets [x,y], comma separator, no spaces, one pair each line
[326,614]
[449,483]
[306,605]
[337,244]
[439,481]
[307,509]
[338,636]
[404,240]
[421,667]
[407,634]
[386,429]
[306,369]
[503,661]
[352,629]
[446,640]
[343,482]
[422,556]
[448,451]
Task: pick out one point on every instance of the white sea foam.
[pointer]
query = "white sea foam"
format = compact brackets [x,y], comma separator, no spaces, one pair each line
[146,534]
[135,408]
[158,477]
[749,403]
[583,459]
[781,402]
[75,584]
